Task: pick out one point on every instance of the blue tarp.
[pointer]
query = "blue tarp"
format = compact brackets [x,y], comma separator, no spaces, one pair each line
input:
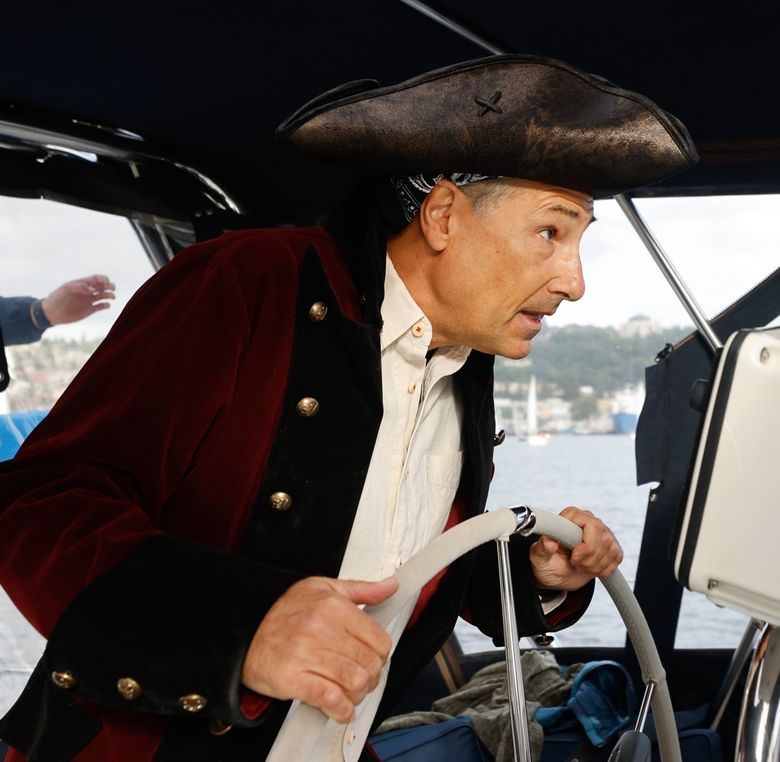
[14,429]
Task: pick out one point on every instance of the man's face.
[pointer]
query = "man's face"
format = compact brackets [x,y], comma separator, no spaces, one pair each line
[507,267]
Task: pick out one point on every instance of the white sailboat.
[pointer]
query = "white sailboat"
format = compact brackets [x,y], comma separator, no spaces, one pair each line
[533,437]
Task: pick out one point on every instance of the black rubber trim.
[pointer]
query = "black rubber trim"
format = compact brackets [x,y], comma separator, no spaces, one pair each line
[708,459]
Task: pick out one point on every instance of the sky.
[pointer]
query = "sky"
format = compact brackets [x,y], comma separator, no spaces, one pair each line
[721,246]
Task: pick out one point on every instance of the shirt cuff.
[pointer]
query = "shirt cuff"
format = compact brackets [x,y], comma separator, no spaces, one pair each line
[38,316]
[550,603]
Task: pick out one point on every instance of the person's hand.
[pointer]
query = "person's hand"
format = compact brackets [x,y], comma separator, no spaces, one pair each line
[316,645]
[78,299]
[598,555]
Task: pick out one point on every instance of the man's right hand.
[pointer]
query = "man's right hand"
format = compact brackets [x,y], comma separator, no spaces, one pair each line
[316,645]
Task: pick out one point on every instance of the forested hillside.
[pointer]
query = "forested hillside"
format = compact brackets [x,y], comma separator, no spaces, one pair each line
[567,358]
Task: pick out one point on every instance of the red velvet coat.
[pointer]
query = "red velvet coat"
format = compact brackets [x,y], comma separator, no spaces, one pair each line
[135,527]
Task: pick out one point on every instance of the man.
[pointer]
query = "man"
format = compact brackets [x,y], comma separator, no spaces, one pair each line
[326,410]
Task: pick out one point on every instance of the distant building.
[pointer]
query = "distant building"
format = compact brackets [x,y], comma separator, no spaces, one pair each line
[639,325]
[625,408]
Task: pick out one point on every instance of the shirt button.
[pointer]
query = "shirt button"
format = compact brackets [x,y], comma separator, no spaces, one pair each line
[399,563]
[418,329]
[351,736]
[411,387]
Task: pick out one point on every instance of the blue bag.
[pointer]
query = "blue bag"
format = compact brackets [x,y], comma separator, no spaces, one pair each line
[447,741]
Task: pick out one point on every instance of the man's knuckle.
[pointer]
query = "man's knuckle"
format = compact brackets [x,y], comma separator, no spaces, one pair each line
[329,696]
[375,668]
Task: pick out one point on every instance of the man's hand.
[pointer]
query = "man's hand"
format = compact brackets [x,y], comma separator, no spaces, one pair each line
[78,299]
[316,645]
[598,555]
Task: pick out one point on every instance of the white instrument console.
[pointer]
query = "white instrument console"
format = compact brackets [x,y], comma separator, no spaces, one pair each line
[729,543]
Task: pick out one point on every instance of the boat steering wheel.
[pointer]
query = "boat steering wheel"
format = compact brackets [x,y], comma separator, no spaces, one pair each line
[311,730]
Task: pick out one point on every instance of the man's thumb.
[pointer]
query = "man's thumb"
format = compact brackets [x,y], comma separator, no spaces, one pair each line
[546,546]
[367,592]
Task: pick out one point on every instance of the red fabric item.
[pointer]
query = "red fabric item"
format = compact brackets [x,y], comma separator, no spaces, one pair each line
[112,466]
[458,513]
[124,737]
[573,603]
[253,704]
[370,749]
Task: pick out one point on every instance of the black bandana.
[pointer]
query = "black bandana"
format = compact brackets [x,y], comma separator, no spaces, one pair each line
[412,190]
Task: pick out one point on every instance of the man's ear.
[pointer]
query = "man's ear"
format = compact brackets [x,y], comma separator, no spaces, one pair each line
[436,214]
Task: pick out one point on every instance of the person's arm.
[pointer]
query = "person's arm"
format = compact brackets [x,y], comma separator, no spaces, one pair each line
[82,549]
[22,319]
[82,553]
[75,300]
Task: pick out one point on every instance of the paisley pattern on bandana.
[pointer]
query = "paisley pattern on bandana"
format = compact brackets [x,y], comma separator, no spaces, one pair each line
[412,190]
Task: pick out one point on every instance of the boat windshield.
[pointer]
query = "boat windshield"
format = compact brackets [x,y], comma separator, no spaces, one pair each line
[569,409]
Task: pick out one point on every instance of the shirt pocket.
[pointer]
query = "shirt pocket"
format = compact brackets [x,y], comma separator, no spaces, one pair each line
[442,477]
[443,469]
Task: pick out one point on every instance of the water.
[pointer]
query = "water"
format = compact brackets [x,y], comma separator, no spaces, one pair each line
[594,472]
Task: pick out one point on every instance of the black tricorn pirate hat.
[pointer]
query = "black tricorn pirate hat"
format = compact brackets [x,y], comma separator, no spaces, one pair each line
[519,116]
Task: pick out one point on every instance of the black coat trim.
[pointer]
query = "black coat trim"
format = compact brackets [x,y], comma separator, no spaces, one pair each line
[177,617]
[67,727]
[320,461]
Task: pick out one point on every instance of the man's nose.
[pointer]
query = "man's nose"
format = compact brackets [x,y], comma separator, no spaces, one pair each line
[569,282]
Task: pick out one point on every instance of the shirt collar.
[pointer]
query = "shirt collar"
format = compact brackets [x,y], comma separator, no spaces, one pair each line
[399,311]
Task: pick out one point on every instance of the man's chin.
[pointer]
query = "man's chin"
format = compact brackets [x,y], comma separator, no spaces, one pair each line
[515,350]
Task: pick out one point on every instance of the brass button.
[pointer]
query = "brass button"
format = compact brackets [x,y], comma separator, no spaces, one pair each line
[63,680]
[280,501]
[128,688]
[499,438]
[307,407]
[192,702]
[317,311]
[219,728]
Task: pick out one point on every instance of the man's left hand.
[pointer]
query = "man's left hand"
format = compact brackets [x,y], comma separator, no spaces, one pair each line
[598,555]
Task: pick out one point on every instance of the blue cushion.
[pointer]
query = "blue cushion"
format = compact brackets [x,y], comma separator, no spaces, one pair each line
[14,428]
[447,741]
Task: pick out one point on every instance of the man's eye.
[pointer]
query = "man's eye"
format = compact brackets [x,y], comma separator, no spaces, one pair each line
[547,233]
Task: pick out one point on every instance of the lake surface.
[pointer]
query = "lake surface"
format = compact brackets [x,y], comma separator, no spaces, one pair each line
[594,472]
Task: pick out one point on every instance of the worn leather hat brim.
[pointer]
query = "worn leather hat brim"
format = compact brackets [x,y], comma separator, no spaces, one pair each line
[518,116]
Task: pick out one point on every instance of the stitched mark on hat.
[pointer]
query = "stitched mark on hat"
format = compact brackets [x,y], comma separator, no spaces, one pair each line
[489,105]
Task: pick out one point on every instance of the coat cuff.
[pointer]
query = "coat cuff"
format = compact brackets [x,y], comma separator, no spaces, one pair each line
[166,631]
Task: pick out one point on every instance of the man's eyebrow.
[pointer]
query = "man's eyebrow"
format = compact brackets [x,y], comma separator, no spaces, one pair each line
[570,212]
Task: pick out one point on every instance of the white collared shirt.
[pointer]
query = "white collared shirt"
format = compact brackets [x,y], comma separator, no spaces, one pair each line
[414,470]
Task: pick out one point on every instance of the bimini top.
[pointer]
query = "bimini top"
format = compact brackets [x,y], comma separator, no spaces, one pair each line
[510,115]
